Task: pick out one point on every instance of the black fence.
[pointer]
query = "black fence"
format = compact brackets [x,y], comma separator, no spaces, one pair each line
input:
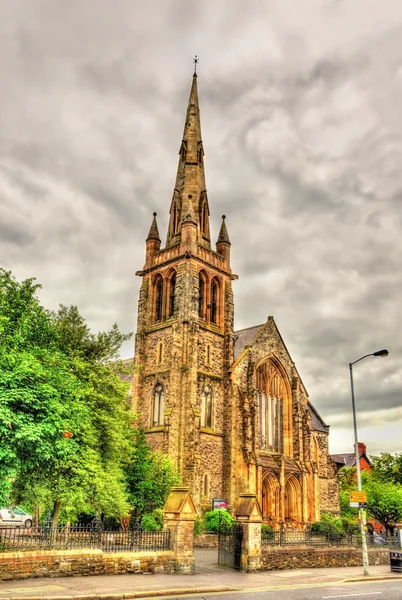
[65,537]
[306,538]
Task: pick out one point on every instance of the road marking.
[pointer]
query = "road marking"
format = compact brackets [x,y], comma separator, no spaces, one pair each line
[352,595]
[296,574]
[38,588]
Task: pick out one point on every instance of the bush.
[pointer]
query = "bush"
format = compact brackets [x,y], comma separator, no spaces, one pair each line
[198,525]
[267,532]
[218,519]
[334,526]
[148,523]
[157,514]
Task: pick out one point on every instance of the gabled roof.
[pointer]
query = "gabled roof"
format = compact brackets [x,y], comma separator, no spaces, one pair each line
[348,459]
[245,337]
[317,423]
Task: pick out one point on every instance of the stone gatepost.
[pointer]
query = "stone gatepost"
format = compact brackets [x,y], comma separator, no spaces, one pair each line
[179,515]
[248,515]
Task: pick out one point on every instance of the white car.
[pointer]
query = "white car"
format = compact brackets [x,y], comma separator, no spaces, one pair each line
[15,517]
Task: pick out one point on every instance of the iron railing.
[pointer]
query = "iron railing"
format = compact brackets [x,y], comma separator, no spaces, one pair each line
[91,536]
[307,538]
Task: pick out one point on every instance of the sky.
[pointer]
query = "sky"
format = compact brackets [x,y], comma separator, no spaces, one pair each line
[301,120]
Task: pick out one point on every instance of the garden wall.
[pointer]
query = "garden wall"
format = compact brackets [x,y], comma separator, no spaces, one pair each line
[299,558]
[62,563]
[206,540]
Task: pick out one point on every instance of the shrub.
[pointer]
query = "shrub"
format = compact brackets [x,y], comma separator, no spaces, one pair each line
[148,523]
[157,514]
[267,532]
[216,520]
[198,525]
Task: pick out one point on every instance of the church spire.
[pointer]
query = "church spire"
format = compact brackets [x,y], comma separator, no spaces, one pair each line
[223,242]
[190,179]
[153,242]
[153,231]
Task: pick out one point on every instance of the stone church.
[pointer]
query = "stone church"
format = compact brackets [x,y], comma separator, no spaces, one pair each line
[229,407]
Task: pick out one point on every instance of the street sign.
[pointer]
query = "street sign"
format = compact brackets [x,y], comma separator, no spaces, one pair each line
[358,499]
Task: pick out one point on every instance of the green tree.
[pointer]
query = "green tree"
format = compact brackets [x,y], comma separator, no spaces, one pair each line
[384,502]
[64,422]
[37,387]
[388,468]
[150,476]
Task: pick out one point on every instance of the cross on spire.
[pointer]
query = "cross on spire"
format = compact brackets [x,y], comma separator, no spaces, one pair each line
[195,61]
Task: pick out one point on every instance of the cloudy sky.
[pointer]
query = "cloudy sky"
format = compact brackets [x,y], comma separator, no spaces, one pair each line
[301,117]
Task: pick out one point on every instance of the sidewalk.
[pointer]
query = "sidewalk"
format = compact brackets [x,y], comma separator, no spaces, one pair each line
[209,577]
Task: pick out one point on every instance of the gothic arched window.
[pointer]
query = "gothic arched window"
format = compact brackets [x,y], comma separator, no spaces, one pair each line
[158,299]
[201,296]
[273,411]
[206,407]
[214,301]
[172,288]
[158,405]
[205,485]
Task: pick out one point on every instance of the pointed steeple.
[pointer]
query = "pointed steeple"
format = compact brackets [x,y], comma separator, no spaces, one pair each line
[223,243]
[190,179]
[153,232]
[153,244]
[223,234]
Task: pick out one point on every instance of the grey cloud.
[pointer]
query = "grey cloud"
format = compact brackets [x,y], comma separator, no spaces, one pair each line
[303,145]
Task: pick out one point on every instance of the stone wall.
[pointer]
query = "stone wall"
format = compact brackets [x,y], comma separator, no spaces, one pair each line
[299,558]
[206,540]
[62,563]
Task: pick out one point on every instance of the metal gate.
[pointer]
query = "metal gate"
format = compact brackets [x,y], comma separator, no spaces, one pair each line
[229,547]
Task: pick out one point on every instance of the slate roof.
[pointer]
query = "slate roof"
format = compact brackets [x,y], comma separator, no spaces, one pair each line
[128,362]
[245,337]
[347,459]
[317,424]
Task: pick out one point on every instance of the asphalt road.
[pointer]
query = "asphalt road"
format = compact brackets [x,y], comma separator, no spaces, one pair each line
[381,590]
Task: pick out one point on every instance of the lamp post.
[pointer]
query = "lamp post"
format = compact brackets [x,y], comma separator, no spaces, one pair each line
[362,516]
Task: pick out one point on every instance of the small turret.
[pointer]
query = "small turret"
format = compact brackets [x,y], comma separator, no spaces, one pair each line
[223,243]
[153,243]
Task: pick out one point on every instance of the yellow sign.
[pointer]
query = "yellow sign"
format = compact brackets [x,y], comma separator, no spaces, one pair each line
[358,496]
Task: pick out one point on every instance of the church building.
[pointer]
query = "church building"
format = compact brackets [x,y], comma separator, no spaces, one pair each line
[229,407]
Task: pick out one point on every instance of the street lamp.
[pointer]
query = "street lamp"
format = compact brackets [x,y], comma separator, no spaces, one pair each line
[362,516]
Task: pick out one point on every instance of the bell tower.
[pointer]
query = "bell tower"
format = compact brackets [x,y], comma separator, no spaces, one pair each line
[184,343]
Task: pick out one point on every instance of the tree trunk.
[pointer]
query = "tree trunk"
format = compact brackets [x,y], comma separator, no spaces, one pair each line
[36,515]
[56,512]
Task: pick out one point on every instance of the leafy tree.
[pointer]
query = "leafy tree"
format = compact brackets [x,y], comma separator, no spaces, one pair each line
[388,468]
[150,476]
[64,423]
[384,502]
[37,387]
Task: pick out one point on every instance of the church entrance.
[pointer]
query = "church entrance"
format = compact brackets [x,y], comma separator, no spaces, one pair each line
[271,498]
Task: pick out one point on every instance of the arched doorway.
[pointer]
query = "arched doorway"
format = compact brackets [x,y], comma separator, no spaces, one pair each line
[270,498]
[292,508]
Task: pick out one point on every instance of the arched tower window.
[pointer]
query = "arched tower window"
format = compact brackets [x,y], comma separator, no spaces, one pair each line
[160,353]
[273,410]
[202,296]
[208,354]
[206,407]
[174,217]
[158,405]
[205,485]
[204,218]
[214,301]
[172,289]
[158,299]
